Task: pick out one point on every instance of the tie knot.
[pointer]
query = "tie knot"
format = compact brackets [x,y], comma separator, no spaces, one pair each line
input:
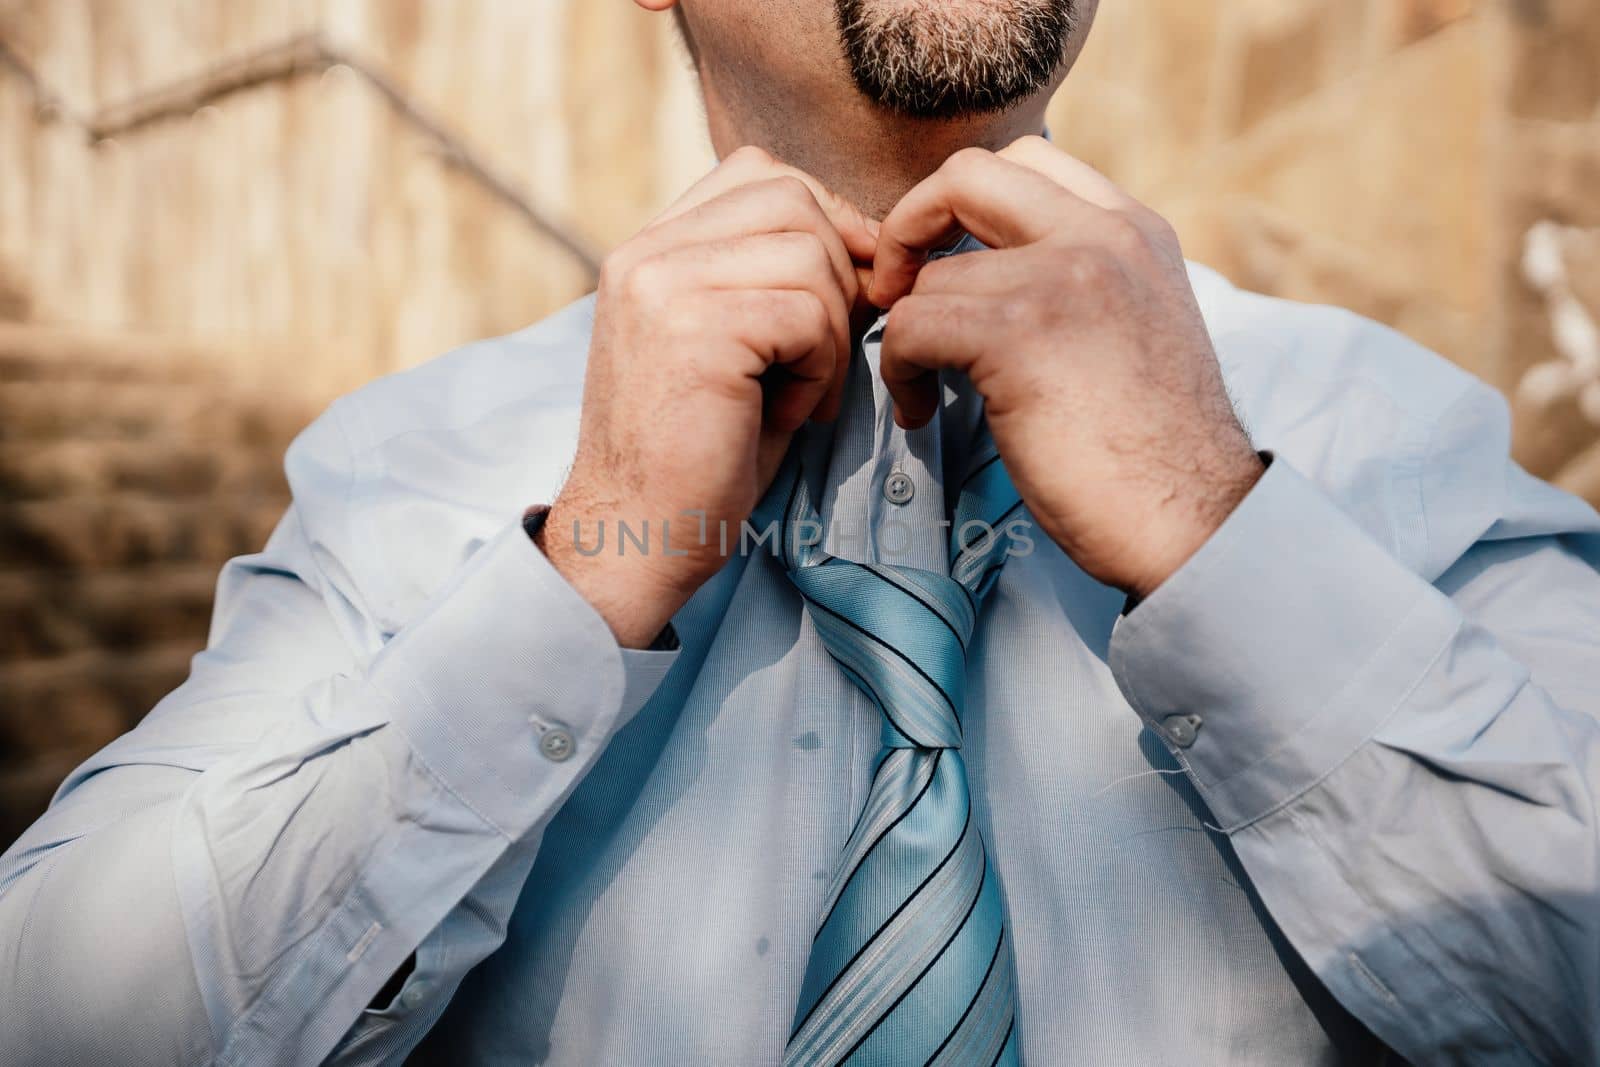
[901,635]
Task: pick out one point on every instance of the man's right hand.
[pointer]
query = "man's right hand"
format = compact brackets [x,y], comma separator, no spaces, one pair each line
[719,330]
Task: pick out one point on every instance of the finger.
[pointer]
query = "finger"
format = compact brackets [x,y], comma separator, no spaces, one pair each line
[794,259]
[863,311]
[924,335]
[777,205]
[750,165]
[1001,203]
[833,399]
[986,272]
[1084,181]
[1072,174]
[785,328]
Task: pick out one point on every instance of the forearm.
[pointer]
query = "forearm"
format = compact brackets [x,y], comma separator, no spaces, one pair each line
[97,966]
[301,867]
[222,920]
[1416,812]
[1444,882]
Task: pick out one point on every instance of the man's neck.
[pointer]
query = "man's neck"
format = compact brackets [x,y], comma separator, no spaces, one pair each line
[866,155]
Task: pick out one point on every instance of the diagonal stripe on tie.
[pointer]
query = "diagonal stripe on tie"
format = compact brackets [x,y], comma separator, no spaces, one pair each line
[982,1030]
[901,781]
[887,961]
[911,963]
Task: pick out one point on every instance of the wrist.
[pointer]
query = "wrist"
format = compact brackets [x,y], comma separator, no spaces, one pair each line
[1191,518]
[635,602]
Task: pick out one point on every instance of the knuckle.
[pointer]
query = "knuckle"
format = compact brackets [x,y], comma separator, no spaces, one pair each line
[645,279]
[614,269]
[1088,268]
[1029,145]
[818,320]
[749,157]
[901,320]
[1123,234]
[967,161]
[1149,218]
[798,242]
[683,319]
[1041,313]
[1161,231]
[804,253]
[946,274]
[794,191]
[813,252]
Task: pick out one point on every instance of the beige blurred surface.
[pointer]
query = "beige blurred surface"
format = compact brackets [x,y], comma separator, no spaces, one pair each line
[214,217]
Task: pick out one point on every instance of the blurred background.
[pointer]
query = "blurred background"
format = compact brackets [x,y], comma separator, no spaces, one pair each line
[217,215]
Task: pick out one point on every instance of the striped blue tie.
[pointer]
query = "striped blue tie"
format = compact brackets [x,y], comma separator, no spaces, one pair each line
[911,963]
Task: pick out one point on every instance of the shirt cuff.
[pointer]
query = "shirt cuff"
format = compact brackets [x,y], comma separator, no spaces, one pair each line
[1278,649]
[643,669]
[509,685]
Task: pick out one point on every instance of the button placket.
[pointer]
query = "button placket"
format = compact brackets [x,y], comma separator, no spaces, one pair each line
[904,509]
[898,487]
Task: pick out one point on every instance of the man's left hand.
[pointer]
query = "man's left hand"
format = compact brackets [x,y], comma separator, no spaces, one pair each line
[1079,327]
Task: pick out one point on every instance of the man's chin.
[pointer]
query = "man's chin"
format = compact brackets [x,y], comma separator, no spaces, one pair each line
[932,101]
[951,59]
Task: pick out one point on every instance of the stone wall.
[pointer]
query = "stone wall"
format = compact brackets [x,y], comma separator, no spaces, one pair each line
[1405,158]
[129,470]
[1434,164]
[303,228]
[199,285]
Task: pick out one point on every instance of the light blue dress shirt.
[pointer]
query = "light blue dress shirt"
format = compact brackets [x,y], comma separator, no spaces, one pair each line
[1342,766]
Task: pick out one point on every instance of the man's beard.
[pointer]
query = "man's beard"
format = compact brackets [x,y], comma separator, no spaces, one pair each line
[939,59]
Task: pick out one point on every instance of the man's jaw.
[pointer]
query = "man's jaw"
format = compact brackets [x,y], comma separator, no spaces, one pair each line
[949,59]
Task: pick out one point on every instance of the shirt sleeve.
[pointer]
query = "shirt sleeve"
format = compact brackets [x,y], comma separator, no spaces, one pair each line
[1407,769]
[235,879]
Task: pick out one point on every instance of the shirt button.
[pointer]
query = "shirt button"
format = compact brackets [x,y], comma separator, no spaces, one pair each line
[557,745]
[1181,730]
[898,488]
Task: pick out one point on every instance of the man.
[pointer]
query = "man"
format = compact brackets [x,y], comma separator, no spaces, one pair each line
[1061,722]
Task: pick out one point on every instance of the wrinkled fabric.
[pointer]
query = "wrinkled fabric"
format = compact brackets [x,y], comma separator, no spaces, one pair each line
[1380,821]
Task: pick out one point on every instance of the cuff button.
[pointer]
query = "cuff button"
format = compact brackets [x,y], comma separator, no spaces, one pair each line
[1181,730]
[557,745]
